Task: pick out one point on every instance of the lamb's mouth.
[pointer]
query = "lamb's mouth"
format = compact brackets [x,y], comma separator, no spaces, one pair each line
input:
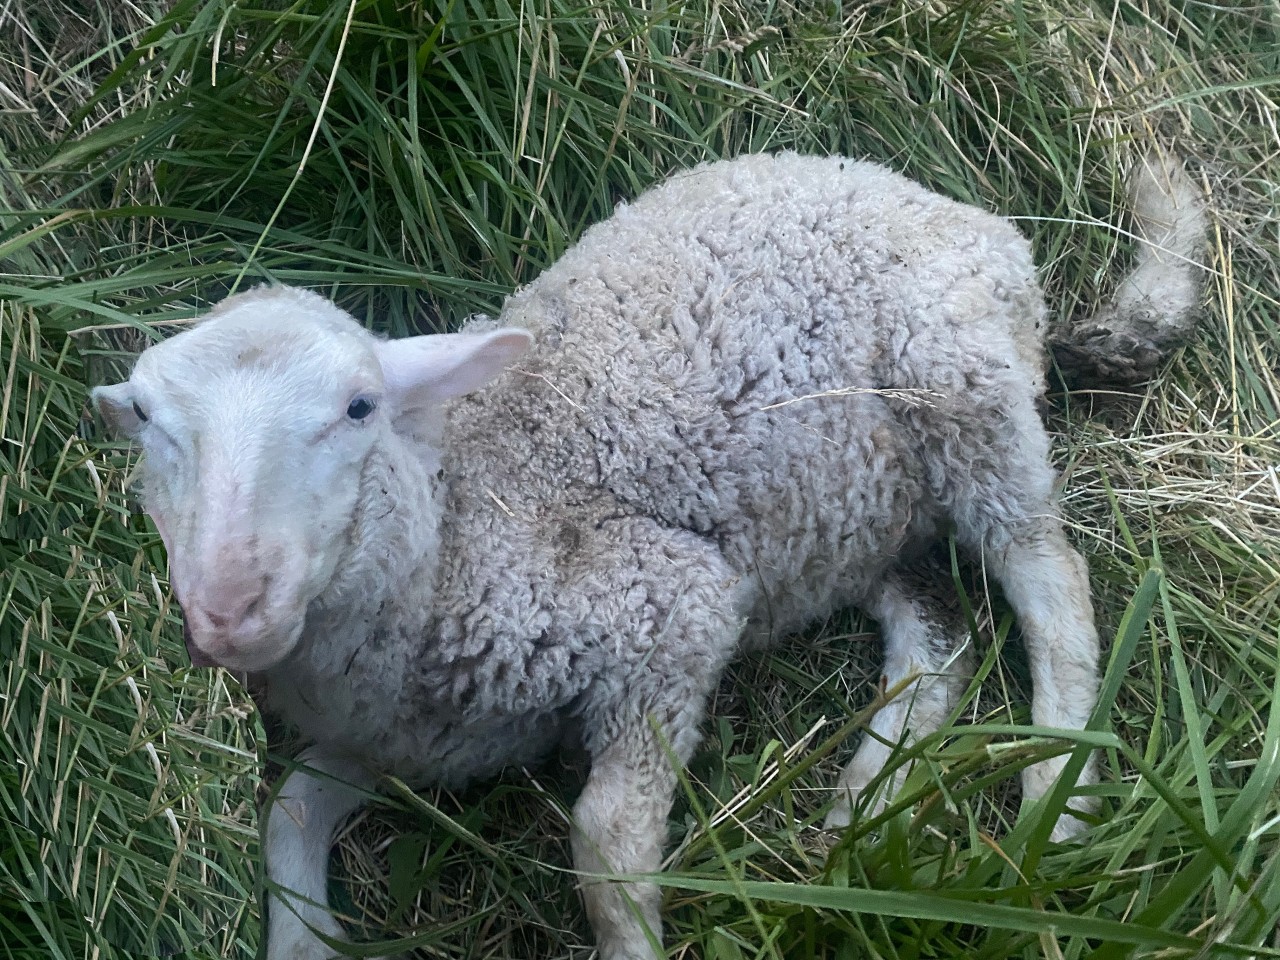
[198,657]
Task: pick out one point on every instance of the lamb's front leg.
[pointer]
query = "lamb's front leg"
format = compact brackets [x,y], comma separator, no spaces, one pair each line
[620,826]
[678,607]
[312,802]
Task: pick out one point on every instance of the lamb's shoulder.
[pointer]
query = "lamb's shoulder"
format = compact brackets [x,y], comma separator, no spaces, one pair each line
[446,684]
[503,638]
[539,601]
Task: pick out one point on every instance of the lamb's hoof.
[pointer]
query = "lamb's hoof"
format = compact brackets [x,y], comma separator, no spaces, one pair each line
[293,940]
[841,814]
[1039,779]
[1068,828]
[304,950]
[840,817]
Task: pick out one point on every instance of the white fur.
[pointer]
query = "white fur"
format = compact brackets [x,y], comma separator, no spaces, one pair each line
[748,399]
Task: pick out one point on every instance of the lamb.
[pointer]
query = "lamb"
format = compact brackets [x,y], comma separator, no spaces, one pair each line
[750,398]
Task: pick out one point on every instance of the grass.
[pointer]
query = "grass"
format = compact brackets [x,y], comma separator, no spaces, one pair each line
[417,161]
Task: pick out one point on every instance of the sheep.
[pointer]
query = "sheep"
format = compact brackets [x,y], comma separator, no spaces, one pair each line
[752,397]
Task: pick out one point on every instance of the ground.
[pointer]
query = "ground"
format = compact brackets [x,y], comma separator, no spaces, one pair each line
[420,160]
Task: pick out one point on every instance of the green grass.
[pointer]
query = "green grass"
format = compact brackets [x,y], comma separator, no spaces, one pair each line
[419,161]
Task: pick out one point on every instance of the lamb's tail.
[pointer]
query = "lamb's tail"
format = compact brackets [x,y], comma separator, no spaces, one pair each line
[1155,308]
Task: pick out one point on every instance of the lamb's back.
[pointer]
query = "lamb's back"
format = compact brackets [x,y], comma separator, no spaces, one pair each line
[732,354]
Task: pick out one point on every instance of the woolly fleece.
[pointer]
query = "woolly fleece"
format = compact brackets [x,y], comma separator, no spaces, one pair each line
[753,390]
[752,393]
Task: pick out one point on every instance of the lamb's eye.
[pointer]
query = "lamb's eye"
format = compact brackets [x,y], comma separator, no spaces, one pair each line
[360,408]
[137,412]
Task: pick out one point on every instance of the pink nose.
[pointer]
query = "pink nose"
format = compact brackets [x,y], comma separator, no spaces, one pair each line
[233,611]
[227,612]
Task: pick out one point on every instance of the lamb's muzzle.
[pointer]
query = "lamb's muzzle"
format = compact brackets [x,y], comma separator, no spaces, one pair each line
[239,610]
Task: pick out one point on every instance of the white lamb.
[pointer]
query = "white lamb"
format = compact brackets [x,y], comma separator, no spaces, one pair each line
[736,406]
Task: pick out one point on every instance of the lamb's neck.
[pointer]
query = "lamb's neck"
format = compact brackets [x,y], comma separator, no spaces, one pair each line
[387,578]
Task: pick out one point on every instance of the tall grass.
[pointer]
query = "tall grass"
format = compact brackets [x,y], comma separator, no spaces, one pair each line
[417,161]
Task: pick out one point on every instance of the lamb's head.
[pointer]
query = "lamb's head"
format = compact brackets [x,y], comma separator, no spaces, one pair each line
[255,426]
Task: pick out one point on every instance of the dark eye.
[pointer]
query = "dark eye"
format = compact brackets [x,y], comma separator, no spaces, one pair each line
[360,408]
[137,412]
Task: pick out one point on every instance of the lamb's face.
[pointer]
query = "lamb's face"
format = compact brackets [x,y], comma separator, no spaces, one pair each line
[255,426]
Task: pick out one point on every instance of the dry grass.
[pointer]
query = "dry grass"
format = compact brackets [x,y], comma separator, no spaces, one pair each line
[447,167]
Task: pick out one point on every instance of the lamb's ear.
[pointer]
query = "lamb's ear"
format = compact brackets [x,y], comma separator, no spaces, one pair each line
[118,409]
[422,371]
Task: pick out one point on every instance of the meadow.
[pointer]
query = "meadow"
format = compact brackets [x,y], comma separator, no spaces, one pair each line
[419,159]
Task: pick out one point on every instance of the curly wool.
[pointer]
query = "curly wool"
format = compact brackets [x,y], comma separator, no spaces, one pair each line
[753,389]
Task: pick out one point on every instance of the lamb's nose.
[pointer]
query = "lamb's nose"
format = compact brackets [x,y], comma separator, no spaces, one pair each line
[235,610]
[230,598]
[225,616]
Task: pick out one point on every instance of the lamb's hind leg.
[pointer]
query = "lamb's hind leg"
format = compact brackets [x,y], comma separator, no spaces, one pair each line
[1003,504]
[1047,583]
[923,638]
